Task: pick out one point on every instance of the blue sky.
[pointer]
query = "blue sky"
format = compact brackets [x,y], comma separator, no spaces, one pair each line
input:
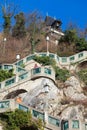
[65,10]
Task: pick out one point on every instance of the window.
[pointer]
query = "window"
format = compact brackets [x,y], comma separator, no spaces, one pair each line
[75,124]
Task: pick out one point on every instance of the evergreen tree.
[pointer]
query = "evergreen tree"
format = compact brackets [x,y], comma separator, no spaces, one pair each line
[7,24]
[7,20]
[70,36]
[19,30]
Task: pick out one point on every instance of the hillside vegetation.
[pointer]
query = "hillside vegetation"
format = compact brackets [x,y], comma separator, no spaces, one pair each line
[28,35]
[20,120]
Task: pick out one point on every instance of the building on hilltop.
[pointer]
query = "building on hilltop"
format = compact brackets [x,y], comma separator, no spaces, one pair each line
[53,29]
[52,22]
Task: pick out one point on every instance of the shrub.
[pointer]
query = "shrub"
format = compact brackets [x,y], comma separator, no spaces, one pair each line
[83,75]
[4,74]
[45,60]
[62,74]
[20,120]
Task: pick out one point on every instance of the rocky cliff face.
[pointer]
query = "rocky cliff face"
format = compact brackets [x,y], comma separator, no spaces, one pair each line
[73,89]
[73,101]
[65,102]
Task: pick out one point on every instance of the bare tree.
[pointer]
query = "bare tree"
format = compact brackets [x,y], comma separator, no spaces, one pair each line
[34,23]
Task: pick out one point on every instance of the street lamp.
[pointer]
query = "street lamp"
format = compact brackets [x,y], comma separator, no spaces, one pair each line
[47,40]
[17,58]
[4,41]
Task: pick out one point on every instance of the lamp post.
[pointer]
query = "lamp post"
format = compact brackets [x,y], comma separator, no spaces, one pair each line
[17,58]
[4,42]
[47,40]
[16,69]
[5,39]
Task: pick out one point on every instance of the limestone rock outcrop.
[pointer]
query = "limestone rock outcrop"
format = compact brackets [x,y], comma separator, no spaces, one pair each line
[57,101]
[73,89]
